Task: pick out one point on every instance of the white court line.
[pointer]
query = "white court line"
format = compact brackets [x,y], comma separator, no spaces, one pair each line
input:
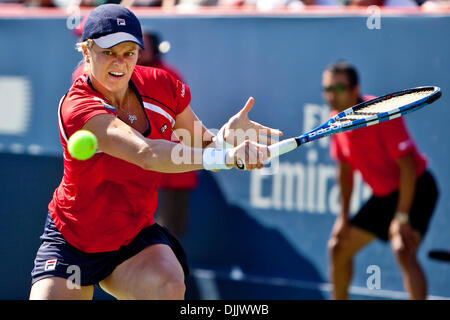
[205,281]
[213,294]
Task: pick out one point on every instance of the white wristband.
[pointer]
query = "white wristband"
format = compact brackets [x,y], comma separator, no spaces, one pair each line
[215,159]
[220,139]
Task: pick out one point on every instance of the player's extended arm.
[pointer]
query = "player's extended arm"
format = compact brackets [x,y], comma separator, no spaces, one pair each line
[118,139]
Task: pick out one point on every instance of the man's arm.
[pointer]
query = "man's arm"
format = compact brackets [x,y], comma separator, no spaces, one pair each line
[345,179]
[407,183]
[400,231]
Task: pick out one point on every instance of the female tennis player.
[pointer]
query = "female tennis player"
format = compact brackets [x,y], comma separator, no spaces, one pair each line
[100,227]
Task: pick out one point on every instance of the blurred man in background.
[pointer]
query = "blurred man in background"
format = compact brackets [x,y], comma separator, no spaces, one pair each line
[404,193]
[153,54]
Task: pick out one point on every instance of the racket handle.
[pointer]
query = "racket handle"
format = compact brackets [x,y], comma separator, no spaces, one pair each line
[275,150]
[282,147]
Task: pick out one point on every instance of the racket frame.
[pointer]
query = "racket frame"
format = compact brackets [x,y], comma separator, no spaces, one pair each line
[327,129]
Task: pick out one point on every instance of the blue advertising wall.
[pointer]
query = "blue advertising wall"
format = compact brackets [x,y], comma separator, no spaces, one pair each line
[261,234]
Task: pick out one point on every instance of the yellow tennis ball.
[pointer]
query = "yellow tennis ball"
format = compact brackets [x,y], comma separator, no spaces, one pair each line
[82,145]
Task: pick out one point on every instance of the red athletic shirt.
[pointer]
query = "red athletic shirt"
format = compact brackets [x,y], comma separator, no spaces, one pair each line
[373,150]
[102,203]
[180,181]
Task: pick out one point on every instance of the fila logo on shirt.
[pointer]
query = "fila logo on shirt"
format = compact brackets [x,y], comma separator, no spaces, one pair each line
[121,22]
[50,264]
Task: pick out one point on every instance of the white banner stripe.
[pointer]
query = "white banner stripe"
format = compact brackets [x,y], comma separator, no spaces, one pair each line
[159,110]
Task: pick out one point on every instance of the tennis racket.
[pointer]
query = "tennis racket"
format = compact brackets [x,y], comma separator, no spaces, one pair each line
[364,114]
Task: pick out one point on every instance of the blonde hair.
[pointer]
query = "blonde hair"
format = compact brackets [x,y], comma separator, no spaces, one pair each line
[89,43]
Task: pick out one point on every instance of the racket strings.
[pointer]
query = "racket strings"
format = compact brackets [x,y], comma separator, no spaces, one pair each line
[386,105]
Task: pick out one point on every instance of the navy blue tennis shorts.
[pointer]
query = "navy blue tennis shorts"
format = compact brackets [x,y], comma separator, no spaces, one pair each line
[56,257]
[377,213]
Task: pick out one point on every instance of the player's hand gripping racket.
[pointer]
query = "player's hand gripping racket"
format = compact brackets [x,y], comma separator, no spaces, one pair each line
[364,114]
